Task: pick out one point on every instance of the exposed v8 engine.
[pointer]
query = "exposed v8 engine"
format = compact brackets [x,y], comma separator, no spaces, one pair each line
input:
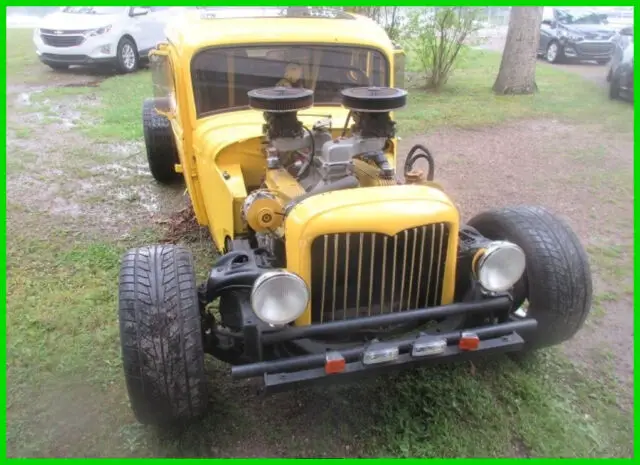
[302,161]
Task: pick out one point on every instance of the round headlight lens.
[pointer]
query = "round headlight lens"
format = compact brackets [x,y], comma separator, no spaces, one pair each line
[279,297]
[500,266]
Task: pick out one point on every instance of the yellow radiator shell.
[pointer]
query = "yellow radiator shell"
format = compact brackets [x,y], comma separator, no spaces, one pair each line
[382,209]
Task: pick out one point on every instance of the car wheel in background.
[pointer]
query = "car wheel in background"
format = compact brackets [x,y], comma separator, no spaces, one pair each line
[553,52]
[128,59]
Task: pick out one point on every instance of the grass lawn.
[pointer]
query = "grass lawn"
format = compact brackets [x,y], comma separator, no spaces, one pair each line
[65,388]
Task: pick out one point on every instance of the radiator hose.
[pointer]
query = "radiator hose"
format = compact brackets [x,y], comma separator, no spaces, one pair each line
[412,157]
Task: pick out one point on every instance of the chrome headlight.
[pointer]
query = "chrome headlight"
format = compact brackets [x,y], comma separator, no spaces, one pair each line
[279,297]
[99,31]
[500,266]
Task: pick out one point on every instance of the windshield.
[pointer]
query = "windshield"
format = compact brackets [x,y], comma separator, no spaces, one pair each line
[223,76]
[580,16]
[102,10]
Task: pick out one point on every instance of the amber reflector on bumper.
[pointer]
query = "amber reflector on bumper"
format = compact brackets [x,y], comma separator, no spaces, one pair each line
[468,341]
[335,363]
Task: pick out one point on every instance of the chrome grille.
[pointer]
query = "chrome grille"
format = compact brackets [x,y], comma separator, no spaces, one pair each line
[62,40]
[362,274]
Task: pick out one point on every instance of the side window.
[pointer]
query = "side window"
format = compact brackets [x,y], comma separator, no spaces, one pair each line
[164,89]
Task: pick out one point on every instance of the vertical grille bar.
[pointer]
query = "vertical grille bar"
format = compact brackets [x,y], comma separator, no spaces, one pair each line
[359,280]
[335,275]
[384,271]
[346,274]
[373,261]
[324,274]
[423,230]
[404,268]
[406,275]
[394,266]
[414,235]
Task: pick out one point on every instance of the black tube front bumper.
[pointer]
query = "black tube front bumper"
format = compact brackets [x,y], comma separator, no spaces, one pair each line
[286,373]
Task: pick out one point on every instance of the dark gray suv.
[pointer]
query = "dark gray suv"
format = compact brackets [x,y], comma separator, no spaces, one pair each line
[575,34]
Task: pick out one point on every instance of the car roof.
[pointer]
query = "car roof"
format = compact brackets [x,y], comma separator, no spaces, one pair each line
[198,28]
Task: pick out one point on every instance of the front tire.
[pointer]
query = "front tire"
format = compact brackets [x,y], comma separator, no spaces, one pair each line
[557,281]
[128,59]
[160,333]
[162,154]
[553,53]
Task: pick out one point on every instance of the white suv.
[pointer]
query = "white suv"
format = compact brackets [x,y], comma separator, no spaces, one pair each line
[119,36]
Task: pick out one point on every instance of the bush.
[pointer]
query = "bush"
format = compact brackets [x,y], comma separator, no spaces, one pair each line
[435,37]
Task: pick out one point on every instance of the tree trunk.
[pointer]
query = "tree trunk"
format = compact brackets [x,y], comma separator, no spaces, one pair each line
[517,73]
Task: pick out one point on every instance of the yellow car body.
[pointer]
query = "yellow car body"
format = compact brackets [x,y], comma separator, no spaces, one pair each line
[221,157]
[330,266]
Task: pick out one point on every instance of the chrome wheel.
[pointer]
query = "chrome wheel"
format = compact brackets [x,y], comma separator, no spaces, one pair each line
[128,56]
[552,52]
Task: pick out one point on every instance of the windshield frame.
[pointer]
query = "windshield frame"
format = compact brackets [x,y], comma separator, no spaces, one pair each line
[201,115]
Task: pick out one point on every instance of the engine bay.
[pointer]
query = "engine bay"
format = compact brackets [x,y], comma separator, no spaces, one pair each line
[303,162]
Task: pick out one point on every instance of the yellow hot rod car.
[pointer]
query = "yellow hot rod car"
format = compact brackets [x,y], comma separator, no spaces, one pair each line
[334,262]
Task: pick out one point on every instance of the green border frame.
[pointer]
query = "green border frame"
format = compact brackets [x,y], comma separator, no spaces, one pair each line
[3,208]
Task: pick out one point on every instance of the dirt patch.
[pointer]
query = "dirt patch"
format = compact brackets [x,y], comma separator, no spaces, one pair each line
[583,174]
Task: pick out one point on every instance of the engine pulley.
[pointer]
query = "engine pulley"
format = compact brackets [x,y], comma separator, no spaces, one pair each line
[373,99]
[263,211]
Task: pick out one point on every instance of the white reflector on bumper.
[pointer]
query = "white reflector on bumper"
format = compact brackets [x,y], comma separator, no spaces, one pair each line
[380,353]
[428,345]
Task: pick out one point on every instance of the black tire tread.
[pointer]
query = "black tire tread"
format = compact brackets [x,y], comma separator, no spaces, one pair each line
[162,154]
[160,333]
[558,274]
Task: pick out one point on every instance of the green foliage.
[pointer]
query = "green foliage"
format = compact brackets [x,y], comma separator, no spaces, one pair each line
[436,39]
[388,17]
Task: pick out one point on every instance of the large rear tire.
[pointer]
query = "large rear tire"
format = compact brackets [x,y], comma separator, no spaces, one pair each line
[556,287]
[162,154]
[160,334]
